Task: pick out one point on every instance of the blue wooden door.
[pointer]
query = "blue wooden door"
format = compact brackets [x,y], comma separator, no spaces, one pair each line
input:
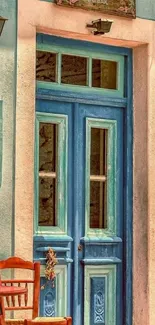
[87,235]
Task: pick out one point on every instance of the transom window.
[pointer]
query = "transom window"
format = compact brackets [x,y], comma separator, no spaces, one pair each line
[57,66]
[75,70]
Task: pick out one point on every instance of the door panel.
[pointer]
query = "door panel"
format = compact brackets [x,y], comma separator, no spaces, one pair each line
[91,258]
[100,252]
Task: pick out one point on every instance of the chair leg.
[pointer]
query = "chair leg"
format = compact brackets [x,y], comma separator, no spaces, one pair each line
[2,311]
[2,320]
[27,322]
[69,320]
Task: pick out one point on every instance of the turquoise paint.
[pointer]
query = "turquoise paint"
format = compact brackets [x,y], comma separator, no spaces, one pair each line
[119,59]
[59,308]
[95,253]
[61,193]
[97,300]
[89,72]
[145,9]
[79,89]
[61,261]
[101,261]
[98,249]
[8,60]
[59,69]
[98,253]
[111,127]
[93,240]
[56,249]
[108,273]
[46,238]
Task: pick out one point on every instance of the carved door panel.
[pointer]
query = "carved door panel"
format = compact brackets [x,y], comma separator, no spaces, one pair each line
[80,175]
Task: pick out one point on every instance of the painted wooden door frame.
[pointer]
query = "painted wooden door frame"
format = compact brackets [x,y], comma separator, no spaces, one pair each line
[127,104]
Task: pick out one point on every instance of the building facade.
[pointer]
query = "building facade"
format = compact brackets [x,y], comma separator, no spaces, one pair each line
[78,154]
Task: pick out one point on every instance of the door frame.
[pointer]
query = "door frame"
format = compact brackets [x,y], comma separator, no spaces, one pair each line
[127,104]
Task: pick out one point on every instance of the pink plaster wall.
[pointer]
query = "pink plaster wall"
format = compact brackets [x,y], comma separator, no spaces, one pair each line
[140,209]
[35,15]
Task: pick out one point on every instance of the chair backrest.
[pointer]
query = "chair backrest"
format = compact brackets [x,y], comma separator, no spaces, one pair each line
[19,304]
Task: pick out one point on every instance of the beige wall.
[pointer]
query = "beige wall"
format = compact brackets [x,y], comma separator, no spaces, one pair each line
[140,270]
[140,35]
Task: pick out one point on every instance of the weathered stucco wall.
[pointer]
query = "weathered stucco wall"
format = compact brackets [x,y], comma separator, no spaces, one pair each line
[140,208]
[7,95]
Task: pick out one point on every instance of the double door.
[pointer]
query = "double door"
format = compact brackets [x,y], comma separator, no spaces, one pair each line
[79,204]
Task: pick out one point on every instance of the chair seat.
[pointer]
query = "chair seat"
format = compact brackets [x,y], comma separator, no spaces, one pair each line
[48,319]
[14,321]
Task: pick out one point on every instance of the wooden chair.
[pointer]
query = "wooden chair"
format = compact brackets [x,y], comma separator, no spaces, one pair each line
[18,263]
[13,304]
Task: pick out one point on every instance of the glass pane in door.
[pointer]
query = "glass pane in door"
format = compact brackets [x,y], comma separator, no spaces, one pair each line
[47,174]
[98,178]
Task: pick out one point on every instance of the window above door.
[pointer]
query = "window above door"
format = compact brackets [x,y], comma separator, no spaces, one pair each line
[58,67]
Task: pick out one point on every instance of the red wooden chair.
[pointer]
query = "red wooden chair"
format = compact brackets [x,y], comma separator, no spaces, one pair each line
[13,304]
